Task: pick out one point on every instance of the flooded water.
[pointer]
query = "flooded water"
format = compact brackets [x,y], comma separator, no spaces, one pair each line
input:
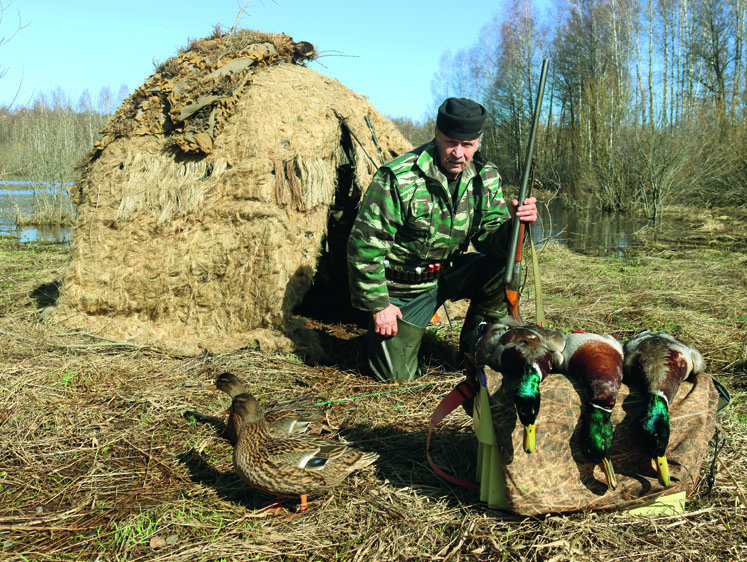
[585,231]
[16,197]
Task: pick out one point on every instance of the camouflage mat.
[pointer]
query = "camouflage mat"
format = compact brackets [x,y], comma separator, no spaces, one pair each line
[557,477]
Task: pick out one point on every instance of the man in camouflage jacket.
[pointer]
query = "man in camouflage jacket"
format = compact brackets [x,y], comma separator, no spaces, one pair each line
[408,249]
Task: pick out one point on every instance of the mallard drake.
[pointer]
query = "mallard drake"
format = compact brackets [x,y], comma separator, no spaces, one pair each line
[288,415]
[526,354]
[597,362]
[659,362]
[292,465]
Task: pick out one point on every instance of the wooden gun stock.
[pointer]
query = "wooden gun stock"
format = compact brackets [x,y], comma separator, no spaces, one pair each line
[512,289]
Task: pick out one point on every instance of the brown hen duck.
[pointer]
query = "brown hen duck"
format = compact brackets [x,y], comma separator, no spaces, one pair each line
[285,416]
[294,465]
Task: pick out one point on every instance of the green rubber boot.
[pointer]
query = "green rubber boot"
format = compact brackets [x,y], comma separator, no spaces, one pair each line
[395,358]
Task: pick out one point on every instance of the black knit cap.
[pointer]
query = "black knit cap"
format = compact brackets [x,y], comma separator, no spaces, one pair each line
[461,118]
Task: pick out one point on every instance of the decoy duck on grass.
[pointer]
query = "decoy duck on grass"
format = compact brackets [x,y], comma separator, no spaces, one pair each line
[294,465]
[284,416]
[526,354]
[659,362]
[597,362]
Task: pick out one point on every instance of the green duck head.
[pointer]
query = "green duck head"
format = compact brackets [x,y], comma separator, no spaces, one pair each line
[655,425]
[526,396]
[597,442]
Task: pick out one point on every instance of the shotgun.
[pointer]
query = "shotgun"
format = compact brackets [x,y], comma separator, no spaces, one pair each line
[513,262]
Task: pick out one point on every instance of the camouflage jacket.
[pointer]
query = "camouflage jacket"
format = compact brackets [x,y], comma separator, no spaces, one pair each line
[408,219]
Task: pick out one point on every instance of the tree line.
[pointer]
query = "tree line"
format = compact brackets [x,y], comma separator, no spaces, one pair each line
[644,104]
[43,145]
[46,141]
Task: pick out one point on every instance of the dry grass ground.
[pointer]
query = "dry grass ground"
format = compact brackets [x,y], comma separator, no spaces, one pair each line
[110,452]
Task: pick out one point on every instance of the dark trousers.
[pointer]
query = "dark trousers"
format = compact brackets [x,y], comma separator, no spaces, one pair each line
[473,276]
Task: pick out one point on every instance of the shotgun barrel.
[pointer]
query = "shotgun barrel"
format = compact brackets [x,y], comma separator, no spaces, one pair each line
[513,261]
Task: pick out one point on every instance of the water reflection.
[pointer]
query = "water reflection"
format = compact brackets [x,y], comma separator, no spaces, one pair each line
[586,230]
[16,199]
[52,234]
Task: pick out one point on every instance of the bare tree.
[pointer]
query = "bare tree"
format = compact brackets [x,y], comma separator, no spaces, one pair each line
[5,37]
[593,56]
[511,97]
[455,77]
[712,47]
[739,10]
[674,167]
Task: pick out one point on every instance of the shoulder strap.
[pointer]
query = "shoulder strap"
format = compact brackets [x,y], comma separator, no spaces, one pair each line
[538,297]
[463,391]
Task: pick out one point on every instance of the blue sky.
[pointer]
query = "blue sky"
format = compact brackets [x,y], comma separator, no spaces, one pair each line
[387,50]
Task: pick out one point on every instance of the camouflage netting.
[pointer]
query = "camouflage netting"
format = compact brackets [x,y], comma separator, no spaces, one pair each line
[204,209]
[557,476]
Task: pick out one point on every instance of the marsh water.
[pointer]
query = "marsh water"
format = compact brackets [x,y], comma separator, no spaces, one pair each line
[583,230]
[18,198]
[588,231]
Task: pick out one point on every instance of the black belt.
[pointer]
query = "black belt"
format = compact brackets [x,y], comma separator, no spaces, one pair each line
[418,274]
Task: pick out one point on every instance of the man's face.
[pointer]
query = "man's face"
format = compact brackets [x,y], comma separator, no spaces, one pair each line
[455,155]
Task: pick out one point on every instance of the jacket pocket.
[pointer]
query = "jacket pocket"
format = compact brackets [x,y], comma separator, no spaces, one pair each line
[420,227]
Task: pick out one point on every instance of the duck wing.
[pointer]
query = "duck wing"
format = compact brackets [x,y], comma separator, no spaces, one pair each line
[485,346]
[279,478]
[311,454]
[555,342]
[661,362]
[293,415]
[276,466]
[522,346]
[510,348]
[310,465]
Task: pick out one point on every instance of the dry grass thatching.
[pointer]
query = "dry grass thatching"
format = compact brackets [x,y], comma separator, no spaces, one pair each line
[210,248]
[103,455]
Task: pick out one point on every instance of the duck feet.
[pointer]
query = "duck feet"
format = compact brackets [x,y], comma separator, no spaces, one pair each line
[274,507]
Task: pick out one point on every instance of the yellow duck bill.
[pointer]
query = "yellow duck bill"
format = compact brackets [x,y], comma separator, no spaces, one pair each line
[662,470]
[609,474]
[529,438]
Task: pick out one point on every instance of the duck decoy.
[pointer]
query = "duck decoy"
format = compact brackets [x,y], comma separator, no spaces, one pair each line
[294,465]
[526,354]
[597,362]
[284,416]
[659,362]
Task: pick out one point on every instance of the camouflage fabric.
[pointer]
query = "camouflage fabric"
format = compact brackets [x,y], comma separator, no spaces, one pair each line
[407,218]
[557,476]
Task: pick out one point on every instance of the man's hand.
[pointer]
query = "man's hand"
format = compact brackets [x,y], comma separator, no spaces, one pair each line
[385,321]
[527,212]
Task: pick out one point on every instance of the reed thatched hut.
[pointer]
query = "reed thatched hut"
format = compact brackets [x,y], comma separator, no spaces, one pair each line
[217,186]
